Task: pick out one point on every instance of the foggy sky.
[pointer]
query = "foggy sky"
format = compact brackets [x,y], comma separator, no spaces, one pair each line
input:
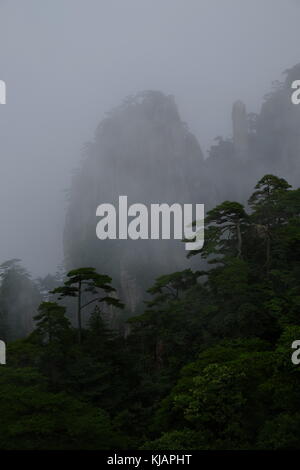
[67,62]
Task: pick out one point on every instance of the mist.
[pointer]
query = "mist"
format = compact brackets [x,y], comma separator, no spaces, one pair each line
[67,62]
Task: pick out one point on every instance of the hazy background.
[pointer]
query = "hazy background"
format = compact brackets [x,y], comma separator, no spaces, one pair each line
[67,62]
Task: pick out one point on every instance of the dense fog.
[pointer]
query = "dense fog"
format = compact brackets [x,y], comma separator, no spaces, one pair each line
[150,227]
[68,62]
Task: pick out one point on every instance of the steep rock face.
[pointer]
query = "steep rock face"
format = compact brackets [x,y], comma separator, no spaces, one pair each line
[278,131]
[240,130]
[142,150]
[265,143]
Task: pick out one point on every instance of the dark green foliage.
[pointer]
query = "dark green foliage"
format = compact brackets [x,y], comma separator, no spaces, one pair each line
[34,418]
[85,281]
[51,323]
[207,365]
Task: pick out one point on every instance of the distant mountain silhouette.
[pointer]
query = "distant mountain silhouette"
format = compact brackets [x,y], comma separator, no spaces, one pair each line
[143,149]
